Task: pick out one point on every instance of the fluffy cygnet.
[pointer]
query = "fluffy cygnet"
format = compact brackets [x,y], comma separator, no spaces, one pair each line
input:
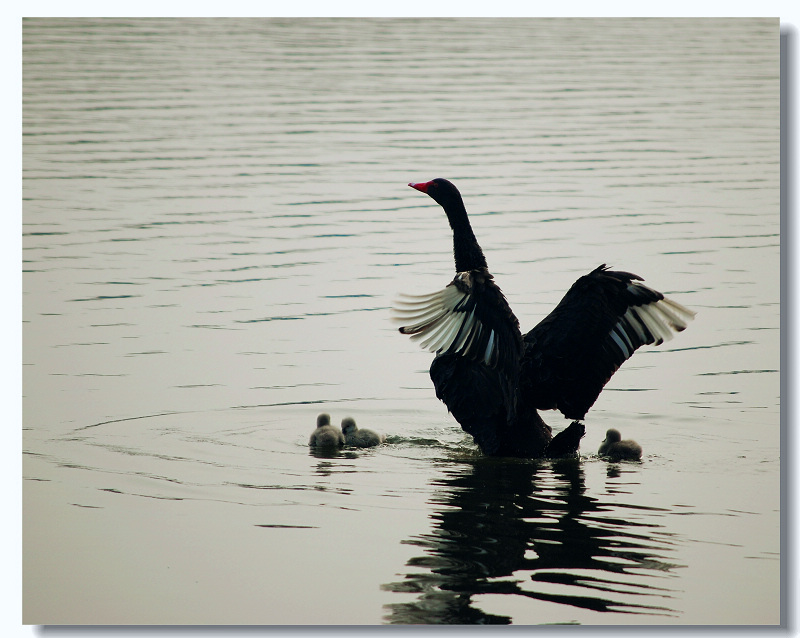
[617,450]
[326,435]
[359,438]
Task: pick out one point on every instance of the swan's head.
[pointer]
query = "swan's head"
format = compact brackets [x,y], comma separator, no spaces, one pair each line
[613,436]
[323,419]
[442,191]
[348,425]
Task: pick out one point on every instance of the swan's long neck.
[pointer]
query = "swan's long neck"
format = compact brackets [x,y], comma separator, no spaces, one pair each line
[468,254]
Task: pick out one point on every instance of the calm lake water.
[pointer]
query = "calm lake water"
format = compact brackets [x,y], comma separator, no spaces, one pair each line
[215,223]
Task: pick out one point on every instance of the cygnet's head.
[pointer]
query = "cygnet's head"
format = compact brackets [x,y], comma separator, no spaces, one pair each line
[323,419]
[613,436]
[348,425]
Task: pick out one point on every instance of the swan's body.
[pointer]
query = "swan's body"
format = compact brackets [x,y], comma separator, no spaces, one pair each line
[325,435]
[493,379]
[618,450]
[357,437]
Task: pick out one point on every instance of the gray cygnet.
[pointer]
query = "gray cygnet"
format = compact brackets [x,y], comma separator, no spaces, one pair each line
[359,438]
[618,450]
[326,435]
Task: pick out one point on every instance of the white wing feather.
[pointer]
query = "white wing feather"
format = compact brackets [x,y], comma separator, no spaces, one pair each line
[660,318]
[440,323]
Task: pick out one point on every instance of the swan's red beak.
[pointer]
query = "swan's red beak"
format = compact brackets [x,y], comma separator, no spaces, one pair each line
[420,186]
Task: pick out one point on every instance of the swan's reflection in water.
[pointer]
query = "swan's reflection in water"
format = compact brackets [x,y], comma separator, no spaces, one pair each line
[529,529]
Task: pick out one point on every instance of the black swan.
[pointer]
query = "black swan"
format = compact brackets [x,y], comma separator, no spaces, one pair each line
[357,437]
[326,435]
[618,450]
[493,379]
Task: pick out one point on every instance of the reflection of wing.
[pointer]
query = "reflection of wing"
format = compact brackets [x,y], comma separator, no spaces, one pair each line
[470,317]
[601,321]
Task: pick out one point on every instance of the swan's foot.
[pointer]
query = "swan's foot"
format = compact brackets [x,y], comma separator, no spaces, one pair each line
[567,442]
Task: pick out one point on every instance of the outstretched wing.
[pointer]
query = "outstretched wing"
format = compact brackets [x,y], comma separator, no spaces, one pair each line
[470,318]
[601,321]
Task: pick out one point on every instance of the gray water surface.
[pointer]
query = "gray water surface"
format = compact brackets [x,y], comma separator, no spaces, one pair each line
[215,223]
